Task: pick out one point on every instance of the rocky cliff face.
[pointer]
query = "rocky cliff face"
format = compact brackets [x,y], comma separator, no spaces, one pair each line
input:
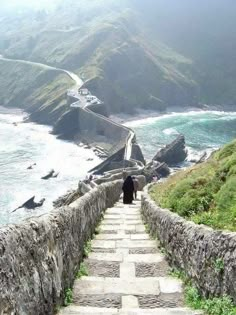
[172,153]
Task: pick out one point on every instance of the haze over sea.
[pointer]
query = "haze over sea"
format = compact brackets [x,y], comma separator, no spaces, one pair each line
[29,143]
[203,131]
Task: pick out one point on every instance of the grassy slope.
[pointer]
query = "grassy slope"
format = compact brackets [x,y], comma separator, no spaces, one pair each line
[129,71]
[135,53]
[122,66]
[39,91]
[205,193]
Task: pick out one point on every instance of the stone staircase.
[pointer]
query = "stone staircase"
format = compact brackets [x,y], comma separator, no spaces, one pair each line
[128,275]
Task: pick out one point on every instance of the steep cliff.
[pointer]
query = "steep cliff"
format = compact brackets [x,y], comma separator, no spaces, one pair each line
[133,54]
[38,90]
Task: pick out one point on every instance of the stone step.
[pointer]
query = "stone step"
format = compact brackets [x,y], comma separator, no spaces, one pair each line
[144,258]
[78,310]
[126,211]
[106,257]
[112,227]
[113,237]
[122,221]
[95,285]
[127,286]
[121,216]
[139,237]
[103,244]
[125,243]
[126,272]
[124,227]
[159,311]
[136,244]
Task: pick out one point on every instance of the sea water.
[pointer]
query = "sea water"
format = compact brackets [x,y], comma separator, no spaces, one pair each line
[203,131]
[23,144]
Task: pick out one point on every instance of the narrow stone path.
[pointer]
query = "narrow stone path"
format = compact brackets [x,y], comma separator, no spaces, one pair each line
[128,275]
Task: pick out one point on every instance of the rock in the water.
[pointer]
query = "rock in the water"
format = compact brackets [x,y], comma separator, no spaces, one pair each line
[173,153]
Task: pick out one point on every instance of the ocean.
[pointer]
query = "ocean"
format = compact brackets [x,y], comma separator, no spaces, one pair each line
[23,144]
[203,131]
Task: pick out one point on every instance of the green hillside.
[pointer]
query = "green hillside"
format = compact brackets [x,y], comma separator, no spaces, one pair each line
[131,53]
[206,193]
[120,64]
[38,90]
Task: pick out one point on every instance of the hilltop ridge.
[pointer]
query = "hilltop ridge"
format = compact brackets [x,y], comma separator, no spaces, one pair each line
[133,55]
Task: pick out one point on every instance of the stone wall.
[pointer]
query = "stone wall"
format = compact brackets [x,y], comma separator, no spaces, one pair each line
[39,258]
[207,256]
[93,125]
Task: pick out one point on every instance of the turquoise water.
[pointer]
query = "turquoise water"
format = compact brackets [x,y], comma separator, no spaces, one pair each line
[203,131]
[25,144]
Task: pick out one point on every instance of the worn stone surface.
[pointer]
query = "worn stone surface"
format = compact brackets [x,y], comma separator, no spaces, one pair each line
[162,300]
[143,284]
[106,300]
[40,256]
[195,249]
[80,310]
[143,251]
[107,269]
[129,301]
[160,269]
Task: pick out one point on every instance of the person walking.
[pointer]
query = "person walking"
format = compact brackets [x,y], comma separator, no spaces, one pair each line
[135,181]
[128,190]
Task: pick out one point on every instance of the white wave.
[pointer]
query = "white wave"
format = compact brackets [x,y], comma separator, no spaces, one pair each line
[150,120]
[26,144]
[170,131]
[194,156]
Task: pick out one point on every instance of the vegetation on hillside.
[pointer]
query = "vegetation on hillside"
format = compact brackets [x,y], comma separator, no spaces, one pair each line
[107,46]
[38,90]
[205,193]
[148,54]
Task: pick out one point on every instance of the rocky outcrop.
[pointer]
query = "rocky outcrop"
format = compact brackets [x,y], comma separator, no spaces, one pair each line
[172,153]
[67,125]
[157,169]
[137,153]
[40,257]
[207,256]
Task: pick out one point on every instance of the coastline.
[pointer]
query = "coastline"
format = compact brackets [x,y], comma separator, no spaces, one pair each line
[142,114]
[25,144]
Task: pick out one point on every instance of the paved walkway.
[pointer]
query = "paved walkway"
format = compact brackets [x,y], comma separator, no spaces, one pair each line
[128,275]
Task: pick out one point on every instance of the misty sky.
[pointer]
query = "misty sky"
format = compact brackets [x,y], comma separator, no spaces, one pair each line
[27,3]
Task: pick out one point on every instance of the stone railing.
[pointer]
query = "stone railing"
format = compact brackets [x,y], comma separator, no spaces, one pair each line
[40,257]
[207,256]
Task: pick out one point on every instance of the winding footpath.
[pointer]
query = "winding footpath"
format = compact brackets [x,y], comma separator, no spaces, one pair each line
[73,76]
[127,274]
[74,92]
